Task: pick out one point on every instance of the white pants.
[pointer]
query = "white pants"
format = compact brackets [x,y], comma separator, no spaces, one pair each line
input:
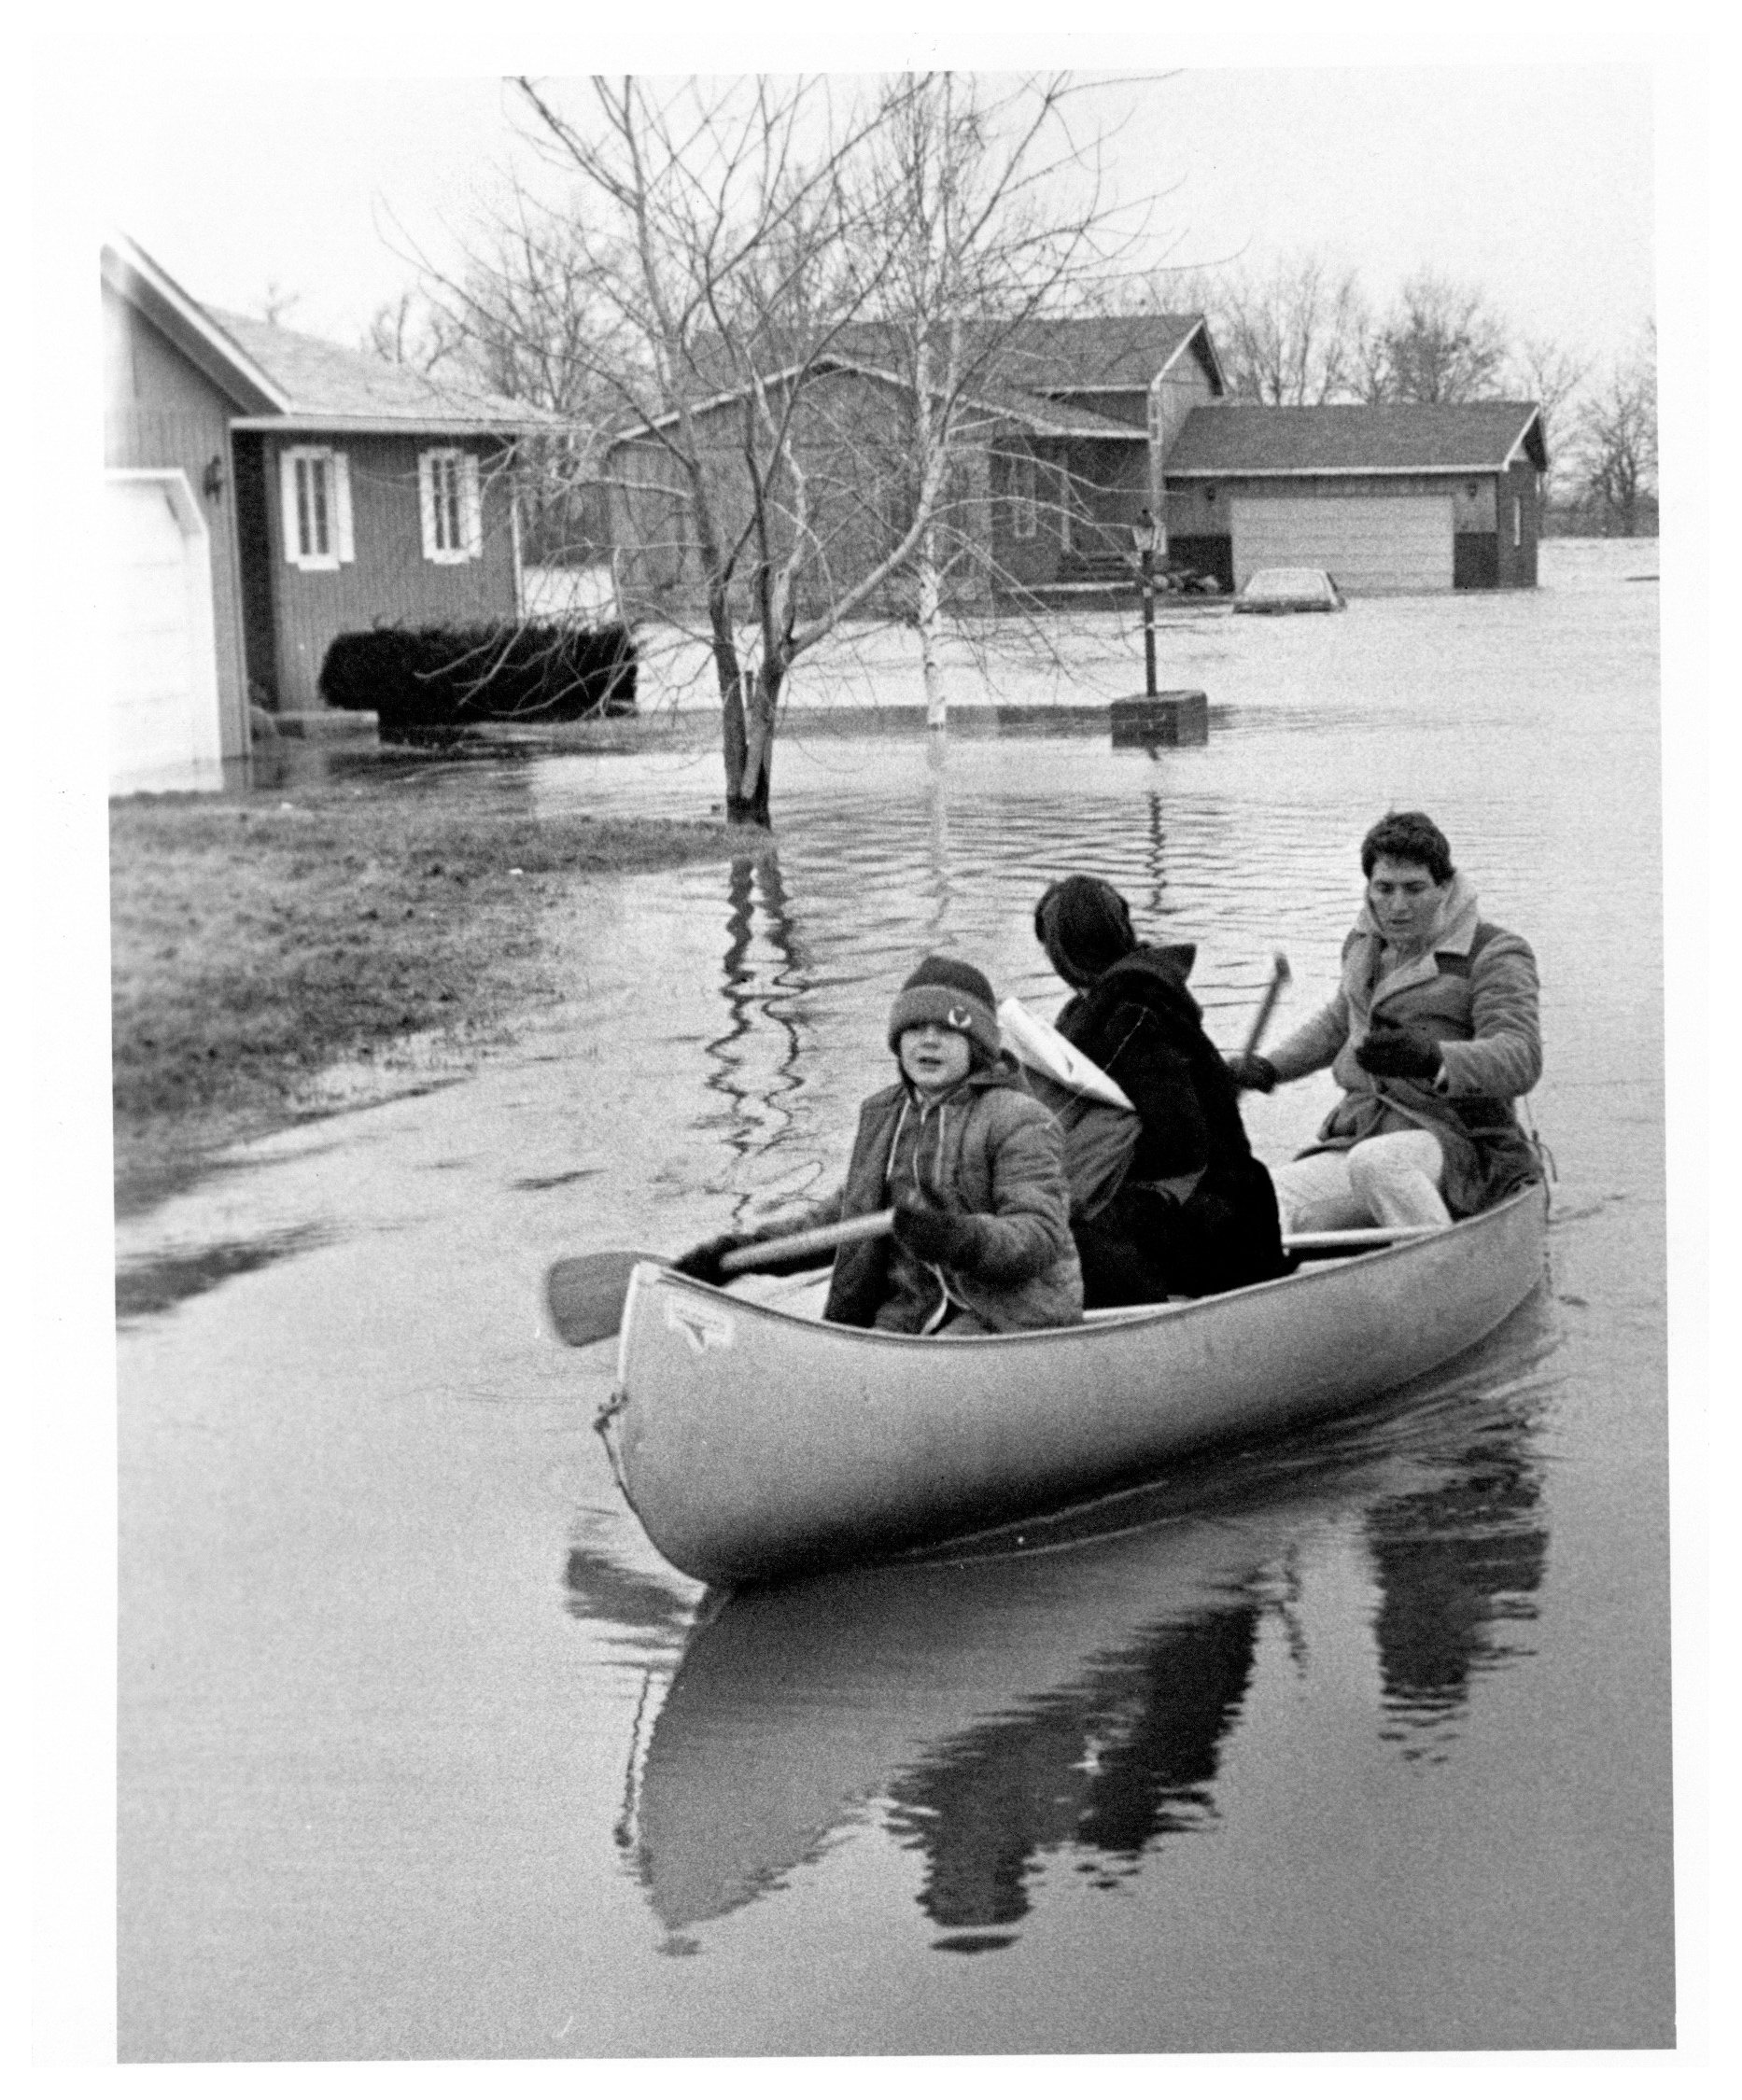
[1391,1180]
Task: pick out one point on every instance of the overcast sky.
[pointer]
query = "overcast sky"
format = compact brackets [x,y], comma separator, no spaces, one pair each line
[1532,181]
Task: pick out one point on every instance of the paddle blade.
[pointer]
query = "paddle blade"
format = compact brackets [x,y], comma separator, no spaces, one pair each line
[585,1294]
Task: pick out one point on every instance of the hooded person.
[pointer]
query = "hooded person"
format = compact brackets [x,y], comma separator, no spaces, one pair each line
[974,1169]
[1196,1213]
[1432,1033]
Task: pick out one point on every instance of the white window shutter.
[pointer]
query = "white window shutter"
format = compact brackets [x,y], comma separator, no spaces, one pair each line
[287,505]
[341,506]
[425,501]
[471,505]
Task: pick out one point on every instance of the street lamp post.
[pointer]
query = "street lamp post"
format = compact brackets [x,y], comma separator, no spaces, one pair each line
[1145,534]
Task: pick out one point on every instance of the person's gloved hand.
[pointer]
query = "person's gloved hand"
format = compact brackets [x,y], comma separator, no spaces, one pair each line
[937,1236]
[1252,1075]
[703,1262]
[1392,1051]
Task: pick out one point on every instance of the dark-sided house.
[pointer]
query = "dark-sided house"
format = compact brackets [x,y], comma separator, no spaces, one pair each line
[267,491]
[1397,498]
[1065,427]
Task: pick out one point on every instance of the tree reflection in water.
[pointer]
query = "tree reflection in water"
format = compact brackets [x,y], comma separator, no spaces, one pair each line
[756,1117]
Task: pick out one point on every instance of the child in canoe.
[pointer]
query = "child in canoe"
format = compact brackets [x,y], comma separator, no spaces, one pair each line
[974,1168]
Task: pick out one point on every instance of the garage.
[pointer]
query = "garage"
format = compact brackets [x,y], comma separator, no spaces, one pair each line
[1369,544]
[162,667]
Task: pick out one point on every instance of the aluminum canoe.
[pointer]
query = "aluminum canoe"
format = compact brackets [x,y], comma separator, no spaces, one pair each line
[753,1443]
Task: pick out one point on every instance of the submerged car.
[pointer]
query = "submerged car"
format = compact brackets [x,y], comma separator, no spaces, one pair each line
[1289,589]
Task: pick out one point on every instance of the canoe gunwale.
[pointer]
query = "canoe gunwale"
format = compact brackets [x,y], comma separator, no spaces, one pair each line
[1108,1320]
[748,1458]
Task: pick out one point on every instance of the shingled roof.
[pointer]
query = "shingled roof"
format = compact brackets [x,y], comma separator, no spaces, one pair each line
[1097,354]
[331,388]
[1394,438]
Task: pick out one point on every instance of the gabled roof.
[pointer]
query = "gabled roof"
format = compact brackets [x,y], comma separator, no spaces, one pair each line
[327,388]
[1096,354]
[1394,438]
[129,272]
[1009,404]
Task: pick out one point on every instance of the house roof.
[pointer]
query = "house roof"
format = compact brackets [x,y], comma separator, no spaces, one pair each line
[1394,438]
[1034,412]
[143,282]
[327,388]
[1096,354]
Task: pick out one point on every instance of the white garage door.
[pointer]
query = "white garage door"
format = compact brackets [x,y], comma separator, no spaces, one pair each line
[162,672]
[1367,542]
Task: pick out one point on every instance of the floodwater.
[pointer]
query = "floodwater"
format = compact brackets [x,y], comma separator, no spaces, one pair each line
[1360,1742]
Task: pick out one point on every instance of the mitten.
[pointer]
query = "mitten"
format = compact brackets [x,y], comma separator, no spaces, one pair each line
[1253,1075]
[703,1262]
[937,1236]
[1393,1052]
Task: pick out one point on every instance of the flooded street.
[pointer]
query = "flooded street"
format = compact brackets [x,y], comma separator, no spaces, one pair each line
[1360,1742]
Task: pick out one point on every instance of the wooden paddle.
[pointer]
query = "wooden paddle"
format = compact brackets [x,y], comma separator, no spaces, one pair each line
[1266,1005]
[585,1291]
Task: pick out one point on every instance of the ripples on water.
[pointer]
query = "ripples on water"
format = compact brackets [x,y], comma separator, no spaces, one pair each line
[1354,1742]
[1077,1705]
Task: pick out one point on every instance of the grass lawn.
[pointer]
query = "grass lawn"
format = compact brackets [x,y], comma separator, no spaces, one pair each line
[254,945]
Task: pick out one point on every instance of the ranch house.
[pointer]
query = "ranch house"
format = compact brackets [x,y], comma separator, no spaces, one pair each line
[266,491]
[1074,427]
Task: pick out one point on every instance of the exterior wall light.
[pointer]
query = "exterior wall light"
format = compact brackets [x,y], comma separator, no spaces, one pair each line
[212,482]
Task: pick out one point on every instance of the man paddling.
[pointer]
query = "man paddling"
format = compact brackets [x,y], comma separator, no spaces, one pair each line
[1432,1033]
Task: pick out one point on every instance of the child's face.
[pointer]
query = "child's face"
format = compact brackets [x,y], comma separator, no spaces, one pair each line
[933,1056]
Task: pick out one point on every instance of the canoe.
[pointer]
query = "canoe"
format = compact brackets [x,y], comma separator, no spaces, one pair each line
[753,1443]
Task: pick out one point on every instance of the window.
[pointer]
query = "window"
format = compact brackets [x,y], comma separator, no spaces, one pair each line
[447,496]
[1023,509]
[314,495]
[1518,521]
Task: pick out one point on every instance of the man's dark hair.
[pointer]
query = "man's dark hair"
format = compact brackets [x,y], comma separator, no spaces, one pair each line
[1407,835]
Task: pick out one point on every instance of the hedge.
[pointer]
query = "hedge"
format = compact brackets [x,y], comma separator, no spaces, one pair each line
[427,678]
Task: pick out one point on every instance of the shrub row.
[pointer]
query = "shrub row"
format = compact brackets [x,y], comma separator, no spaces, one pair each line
[424,678]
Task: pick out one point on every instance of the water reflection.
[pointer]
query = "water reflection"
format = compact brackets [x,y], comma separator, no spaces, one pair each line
[1457,1565]
[1105,1767]
[756,1063]
[997,1712]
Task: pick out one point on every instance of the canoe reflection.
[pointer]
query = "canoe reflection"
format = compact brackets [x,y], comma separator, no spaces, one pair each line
[990,1713]
[991,1710]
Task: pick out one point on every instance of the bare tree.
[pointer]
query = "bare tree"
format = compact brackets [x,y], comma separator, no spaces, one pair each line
[987,213]
[1542,371]
[699,233]
[1439,343]
[1292,337]
[412,331]
[275,302]
[1615,440]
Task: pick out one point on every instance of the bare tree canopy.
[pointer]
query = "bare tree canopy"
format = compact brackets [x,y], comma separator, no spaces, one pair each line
[1615,442]
[1291,338]
[1439,343]
[704,260]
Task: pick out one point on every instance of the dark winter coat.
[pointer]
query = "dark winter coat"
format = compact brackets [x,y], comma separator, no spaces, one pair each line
[1474,990]
[987,1148]
[1196,1213]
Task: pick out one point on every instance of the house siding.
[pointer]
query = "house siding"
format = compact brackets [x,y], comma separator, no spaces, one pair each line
[1175,393]
[1517,566]
[390,579]
[848,435]
[160,410]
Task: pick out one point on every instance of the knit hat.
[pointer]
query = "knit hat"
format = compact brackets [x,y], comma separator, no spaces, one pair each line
[1084,927]
[954,994]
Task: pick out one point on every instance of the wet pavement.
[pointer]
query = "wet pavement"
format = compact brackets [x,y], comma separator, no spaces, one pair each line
[1360,1742]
